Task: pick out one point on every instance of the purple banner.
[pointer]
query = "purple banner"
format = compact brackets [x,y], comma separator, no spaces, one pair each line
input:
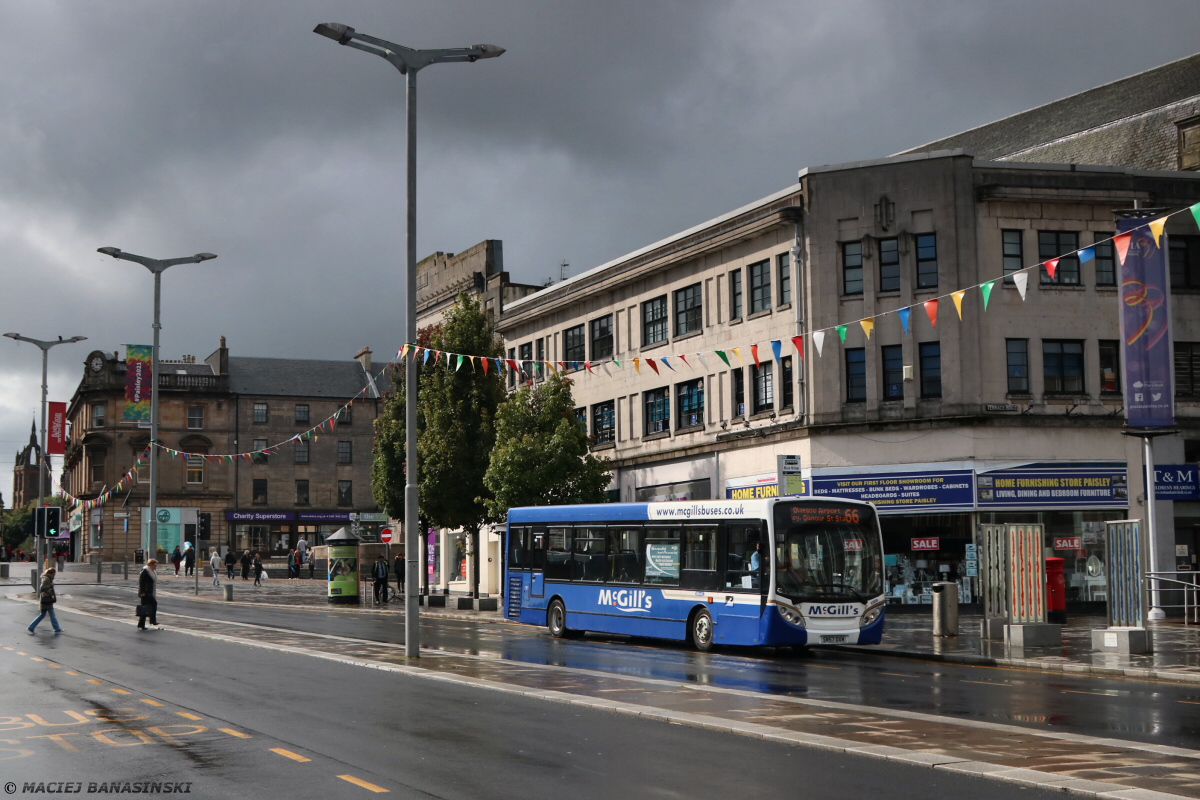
[259,516]
[1146,328]
[138,363]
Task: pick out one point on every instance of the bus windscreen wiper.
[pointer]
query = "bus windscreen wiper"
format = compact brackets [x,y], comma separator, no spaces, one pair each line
[849,588]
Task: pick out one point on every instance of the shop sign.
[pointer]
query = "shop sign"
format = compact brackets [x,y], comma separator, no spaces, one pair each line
[1066,485]
[755,487]
[324,516]
[259,516]
[1068,542]
[788,472]
[853,545]
[1177,482]
[900,492]
[931,543]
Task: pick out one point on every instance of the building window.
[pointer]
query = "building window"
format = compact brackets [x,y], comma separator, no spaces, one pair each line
[301,493]
[787,398]
[96,466]
[889,265]
[689,310]
[1110,366]
[581,417]
[852,268]
[927,266]
[1014,253]
[195,418]
[345,415]
[526,360]
[658,411]
[259,456]
[98,415]
[691,404]
[1106,260]
[602,338]
[892,356]
[195,469]
[1062,366]
[856,375]
[259,492]
[539,363]
[345,493]
[654,321]
[735,294]
[512,373]
[301,452]
[1185,262]
[785,279]
[261,414]
[604,421]
[1061,245]
[1018,365]
[931,369]
[574,344]
[763,376]
[302,414]
[1187,369]
[345,453]
[760,286]
[737,384]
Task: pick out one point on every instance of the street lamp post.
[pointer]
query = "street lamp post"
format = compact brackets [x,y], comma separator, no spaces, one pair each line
[409,62]
[45,348]
[158,267]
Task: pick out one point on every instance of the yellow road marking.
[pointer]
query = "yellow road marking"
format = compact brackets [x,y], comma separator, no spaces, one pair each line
[821,666]
[93,680]
[53,666]
[232,732]
[73,672]
[1078,691]
[6,647]
[151,702]
[35,658]
[364,784]
[289,754]
[22,654]
[121,691]
[186,715]
[1190,702]
[900,674]
[988,683]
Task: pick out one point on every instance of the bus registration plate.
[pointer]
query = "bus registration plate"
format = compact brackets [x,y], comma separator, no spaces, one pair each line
[834,638]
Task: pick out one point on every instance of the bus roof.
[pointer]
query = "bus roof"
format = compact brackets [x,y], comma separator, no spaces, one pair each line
[676,511]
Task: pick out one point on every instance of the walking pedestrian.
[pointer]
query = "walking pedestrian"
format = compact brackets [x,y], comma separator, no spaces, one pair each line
[399,567]
[302,548]
[216,567]
[176,559]
[148,595]
[380,573]
[189,561]
[258,569]
[291,562]
[246,561]
[230,563]
[312,565]
[46,599]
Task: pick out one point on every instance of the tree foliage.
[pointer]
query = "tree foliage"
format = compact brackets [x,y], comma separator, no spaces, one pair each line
[541,455]
[387,469]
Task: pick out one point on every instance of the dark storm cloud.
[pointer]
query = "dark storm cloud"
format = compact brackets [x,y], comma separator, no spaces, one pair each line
[169,128]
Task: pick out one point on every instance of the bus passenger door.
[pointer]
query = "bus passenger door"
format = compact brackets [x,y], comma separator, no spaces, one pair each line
[747,576]
[537,562]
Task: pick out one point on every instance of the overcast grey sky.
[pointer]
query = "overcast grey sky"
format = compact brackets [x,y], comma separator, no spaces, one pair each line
[171,128]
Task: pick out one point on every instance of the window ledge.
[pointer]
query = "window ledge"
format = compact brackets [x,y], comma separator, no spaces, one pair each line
[604,446]
[655,346]
[925,290]
[1019,396]
[760,314]
[767,414]
[690,429]
[855,296]
[1064,287]
[735,321]
[783,306]
[649,437]
[895,293]
[689,335]
[1107,288]
[1065,397]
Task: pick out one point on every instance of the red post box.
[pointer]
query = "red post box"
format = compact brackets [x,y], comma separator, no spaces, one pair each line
[1056,590]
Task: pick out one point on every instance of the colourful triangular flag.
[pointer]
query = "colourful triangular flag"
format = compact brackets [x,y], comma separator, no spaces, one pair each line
[818,341]
[667,363]
[1051,266]
[841,330]
[403,352]
[1121,242]
[637,365]
[777,348]
[683,358]
[737,351]
[798,343]
[1087,254]
[868,325]
[604,366]
[1195,209]
[485,365]
[931,307]
[721,355]
[986,290]
[754,352]
[652,365]
[1021,279]
[904,314]
[702,361]
[1156,227]
[459,365]
[957,297]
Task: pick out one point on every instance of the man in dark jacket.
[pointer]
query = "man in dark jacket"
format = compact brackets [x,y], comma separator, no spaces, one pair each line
[147,595]
[189,561]
[230,562]
[246,562]
[380,573]
[399,567]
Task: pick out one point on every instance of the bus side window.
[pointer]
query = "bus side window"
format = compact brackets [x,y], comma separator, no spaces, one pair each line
[700,559]
[518,544]
[558,554]
[536,554]
[662,556]
[591,561]
[625,556]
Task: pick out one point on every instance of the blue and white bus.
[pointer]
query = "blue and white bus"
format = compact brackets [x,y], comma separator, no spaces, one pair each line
[776,572]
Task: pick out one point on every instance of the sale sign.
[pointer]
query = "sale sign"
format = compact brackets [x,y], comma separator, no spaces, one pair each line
[1068,543]
[56,432]
[932,543]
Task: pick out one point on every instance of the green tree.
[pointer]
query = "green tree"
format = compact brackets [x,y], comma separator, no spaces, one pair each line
[387,468]
[458,403]
[18,526]
[541,455]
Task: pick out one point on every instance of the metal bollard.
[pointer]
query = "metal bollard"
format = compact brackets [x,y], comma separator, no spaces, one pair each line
[945,609]
[228,587]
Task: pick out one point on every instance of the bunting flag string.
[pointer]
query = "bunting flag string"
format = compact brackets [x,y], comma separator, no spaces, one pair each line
[958,298]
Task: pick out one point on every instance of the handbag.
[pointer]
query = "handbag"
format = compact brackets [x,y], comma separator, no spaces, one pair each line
[142,610]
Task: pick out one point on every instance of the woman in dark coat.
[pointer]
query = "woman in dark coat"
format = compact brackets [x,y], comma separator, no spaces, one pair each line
[258,569]
[246,560]
[46,598]
[148,595]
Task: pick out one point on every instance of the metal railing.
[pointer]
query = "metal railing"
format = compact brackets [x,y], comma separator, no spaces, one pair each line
[1187,583]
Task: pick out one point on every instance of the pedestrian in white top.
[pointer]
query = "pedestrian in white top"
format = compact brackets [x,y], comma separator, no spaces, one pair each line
[216,567]
[302,546]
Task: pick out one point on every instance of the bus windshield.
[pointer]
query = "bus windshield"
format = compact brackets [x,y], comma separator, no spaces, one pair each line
[826,551]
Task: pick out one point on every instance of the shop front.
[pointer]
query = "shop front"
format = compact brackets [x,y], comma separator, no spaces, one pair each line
[275,533]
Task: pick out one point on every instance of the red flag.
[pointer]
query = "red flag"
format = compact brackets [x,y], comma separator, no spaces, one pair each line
[1051,266]
[1122,243]
[485,366]
[931,310]
[799,342]
[513,365]
[653,366]
[754,352]
[588,365]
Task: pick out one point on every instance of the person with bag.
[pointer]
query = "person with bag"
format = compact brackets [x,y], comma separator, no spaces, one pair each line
[177,559]
[380,573]
[147,595]
[46,599]
[189,561]
[258,569]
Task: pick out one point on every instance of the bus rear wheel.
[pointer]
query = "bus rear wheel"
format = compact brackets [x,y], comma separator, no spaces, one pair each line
[700,630]
[556,619]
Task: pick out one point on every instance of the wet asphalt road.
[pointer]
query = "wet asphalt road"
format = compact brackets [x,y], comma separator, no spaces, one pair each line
[104,703]
[1146,711]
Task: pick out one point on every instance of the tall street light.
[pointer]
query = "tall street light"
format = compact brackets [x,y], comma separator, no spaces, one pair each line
[45,347]
[409,62]
[158,267]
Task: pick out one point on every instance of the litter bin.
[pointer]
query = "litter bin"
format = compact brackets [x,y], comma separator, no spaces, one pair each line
[945,609]
[139,556]
[1056,591]
[343,567]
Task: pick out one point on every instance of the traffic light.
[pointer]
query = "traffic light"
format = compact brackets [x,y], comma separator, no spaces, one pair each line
[205,524]
[47,522]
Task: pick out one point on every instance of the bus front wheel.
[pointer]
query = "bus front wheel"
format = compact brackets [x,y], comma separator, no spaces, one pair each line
[556,619]
[700,630]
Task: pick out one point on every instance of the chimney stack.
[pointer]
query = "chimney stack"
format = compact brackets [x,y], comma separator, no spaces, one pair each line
[364,357]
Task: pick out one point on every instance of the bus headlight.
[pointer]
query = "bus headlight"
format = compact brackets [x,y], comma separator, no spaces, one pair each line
[792,616]
[871,615]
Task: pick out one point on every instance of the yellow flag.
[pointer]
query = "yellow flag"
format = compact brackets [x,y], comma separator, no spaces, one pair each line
[1156,227]
[637,364]
[737,351]
[868,325]
[958,298]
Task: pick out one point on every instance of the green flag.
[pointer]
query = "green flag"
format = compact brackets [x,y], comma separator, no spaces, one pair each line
[841,329]
[986,288]
[1196,213]
[721,355]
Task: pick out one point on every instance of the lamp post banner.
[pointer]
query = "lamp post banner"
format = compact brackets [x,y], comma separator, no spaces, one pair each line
[138,381]
[1146,328]
[56,430]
